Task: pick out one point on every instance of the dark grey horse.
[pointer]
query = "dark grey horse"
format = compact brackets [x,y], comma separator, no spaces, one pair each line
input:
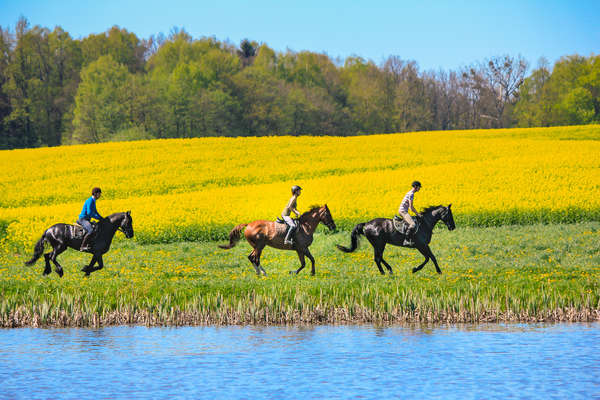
[62,236]
[381,231]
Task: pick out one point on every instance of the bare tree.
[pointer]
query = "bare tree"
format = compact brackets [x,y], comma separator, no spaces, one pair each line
[504,75]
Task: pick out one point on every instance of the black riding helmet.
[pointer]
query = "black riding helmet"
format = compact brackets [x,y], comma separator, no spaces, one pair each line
[295,188]
[416,184]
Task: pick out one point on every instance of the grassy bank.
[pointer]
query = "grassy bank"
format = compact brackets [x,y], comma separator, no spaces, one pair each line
[511,273]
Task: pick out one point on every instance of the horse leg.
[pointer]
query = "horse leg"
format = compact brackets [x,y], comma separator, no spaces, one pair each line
[260,267]
[302,262]
[100,264]
[255,260]
[48,269]
[378,248]
[251,257]
[89,268]
[388,266]
[426,254]
[379,256]
[312,260]
[55,253]
[437,268]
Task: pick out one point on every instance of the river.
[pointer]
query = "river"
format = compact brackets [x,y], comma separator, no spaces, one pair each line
[313,362]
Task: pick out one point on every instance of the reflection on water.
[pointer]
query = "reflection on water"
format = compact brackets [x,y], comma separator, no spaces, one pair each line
[456,361]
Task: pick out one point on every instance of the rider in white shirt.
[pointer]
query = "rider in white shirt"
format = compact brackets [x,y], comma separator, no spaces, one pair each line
[407,204]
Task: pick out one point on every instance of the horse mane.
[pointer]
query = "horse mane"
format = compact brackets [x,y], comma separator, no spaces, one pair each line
[114,215]
[311,209]
[430,209]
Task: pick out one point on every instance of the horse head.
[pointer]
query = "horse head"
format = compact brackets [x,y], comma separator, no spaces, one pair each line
[326,218]
[447,217]
[126,225]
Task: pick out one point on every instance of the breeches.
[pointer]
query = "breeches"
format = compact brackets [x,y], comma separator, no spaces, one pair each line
[409,219]
[289,221]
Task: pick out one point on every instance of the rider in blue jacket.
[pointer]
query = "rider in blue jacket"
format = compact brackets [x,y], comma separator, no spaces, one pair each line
[87,213]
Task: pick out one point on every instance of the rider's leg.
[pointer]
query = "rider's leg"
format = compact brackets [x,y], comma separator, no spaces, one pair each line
[411,223]
[291,229]
[408,239]
[88,229]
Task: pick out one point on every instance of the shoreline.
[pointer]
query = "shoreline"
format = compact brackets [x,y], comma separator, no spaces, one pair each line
[23,319]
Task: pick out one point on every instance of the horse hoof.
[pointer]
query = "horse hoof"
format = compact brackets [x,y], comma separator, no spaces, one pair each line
[414,270]
[60,273]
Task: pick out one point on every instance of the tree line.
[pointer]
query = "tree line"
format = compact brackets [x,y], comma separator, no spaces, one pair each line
[55,90]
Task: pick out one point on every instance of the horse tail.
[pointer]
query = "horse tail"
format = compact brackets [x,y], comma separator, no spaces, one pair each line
[37,251]
[234,236]
[358,230]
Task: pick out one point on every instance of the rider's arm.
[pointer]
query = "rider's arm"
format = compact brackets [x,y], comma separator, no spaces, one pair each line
[410,205]
[94,213]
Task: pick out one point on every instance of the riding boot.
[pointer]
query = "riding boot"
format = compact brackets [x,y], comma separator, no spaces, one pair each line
[84,244]
[289,238]
[409,238]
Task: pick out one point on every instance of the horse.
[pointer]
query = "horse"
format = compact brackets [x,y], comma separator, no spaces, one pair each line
[381,231]
[268,233]
[62,236]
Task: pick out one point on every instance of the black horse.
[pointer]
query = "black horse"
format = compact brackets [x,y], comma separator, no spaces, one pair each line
[381,231]
[61,236]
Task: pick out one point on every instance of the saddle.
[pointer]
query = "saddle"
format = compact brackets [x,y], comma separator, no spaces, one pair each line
[78,231]
[280,220]
[402,226]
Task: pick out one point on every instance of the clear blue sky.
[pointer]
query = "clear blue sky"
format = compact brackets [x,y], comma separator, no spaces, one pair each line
[436,34]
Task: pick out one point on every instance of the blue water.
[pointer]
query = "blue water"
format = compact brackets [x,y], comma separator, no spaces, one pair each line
[320,362]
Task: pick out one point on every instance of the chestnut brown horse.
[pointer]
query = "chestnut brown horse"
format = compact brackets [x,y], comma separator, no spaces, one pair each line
[268,233]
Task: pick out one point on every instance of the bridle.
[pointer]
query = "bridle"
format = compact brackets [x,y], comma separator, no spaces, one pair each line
[323,213]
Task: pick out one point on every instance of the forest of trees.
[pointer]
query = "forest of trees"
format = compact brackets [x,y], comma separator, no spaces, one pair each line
[115,86]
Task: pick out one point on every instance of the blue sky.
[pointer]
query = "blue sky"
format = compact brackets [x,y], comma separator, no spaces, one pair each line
[436,34]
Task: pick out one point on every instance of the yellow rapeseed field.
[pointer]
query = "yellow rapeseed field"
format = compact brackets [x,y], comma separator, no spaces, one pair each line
[197,189]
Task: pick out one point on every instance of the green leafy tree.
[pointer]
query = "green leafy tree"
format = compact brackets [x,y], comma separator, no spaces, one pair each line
[576,108]
[569,94]
[6,44]
[101,107]
[247,52]
[123,46]
[263,103]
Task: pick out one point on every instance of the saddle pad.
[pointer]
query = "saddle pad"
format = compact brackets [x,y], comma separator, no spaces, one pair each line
[402,226]
[77,231]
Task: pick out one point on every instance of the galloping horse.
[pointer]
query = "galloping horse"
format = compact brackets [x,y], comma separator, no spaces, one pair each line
[268,233]
[381,231]
[62,236]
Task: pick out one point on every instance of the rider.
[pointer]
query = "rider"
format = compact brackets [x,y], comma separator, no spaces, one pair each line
[89,211]
[285,214]
[407,203]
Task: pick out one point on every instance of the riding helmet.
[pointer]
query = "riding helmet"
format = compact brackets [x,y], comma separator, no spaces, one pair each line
[295,188]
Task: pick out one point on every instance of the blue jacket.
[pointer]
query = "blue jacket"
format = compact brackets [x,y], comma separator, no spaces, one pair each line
[89,209]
